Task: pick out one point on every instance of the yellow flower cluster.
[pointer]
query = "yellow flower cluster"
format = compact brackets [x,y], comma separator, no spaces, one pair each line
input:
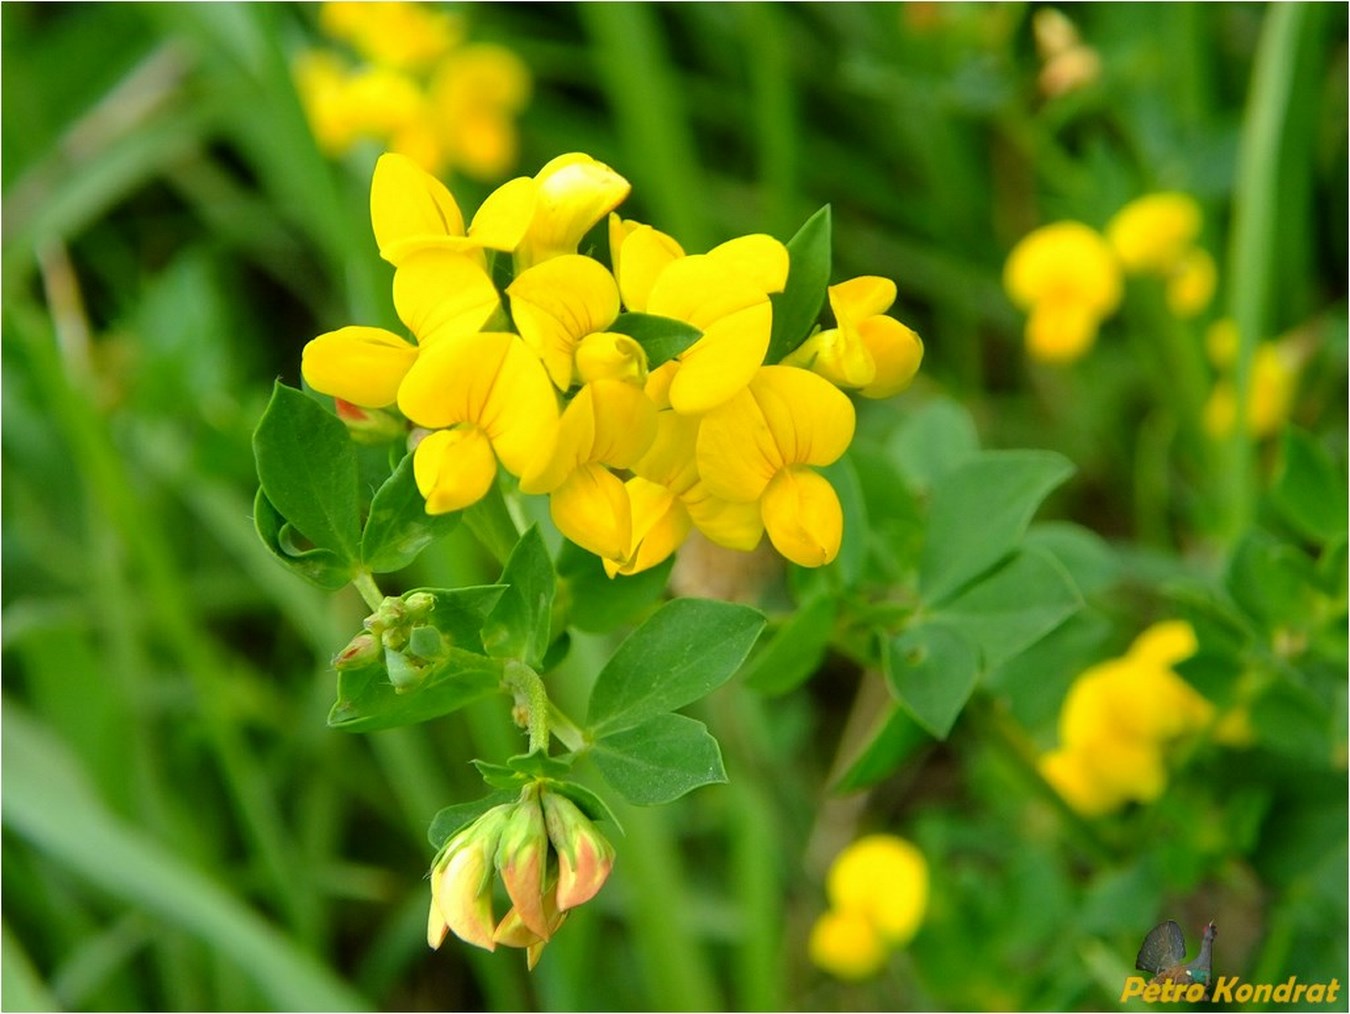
[421,90]
[878,891]
[1069,277]
[1272,385]
[636,457]
[1117,720]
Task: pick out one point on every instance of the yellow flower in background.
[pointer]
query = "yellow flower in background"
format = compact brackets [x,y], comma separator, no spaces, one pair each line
[436,293]
[1191,285]
[878,892]
[420,92]
[724,293]
[1117,720]
[1270,397]
[488,399]
[867,350]
[1153,233]
[1066,277]
[760,447]
[846,945]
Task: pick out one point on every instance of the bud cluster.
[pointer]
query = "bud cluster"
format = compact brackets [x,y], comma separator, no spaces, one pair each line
[397,630]
[550,858]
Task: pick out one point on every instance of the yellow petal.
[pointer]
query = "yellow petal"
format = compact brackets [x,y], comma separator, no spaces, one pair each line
[520,413]
[559,302]
[454,468]
[409,208]
[1069,774]
[839,355]
[670,460]
[702,290]
[803,517]
[574,192]
[759,258]
[625,423]
[439,293]
[592,509]
[886,878]
[737,452]
[606,355]
[1165,644]
[451,380]
[363,365]
[733,525]
[502,219]
[1191,285]
[846,945]
[639,254]
[861,297]
[660,524]
[896,351]
[723,361]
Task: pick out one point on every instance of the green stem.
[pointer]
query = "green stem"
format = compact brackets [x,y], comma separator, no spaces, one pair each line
[365,584]
[528,688]
[567,731]
[1288,36]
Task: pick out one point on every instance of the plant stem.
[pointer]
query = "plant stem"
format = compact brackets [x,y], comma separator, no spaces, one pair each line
[370,592]
[528,688]
[567,731]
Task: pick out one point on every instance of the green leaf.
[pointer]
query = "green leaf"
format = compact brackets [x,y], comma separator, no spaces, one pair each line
[1293,721]
[449,821]
[660,760]
[459,613]
[598,603]
[796,651]
[662,338]
[797,307]
[852,558]
[307,467]
[501,776]
[933,669]
[518,627]
[1308,490]
[1274,582]
[587,801]
[1091,563]
[687,649]
[933,441]
[1014,607]
[399,527]
[979,512]
[322,567]
[897,735]
[368,701]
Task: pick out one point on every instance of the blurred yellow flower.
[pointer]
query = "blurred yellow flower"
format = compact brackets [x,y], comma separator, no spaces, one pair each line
[1274,382]
[1153,233]
[1064,274]
[878,892]
[846,945]
[420,92]
[1191,284]
[1117,720]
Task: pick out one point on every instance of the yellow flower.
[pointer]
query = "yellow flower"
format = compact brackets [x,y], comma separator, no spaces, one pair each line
[475,96]
[609,424]
[489,400]
[1070,774]
[411,210]
[866,350]
[1191,284]
[724,293]
[1165,644]
[885,879]
[394,33]
[1153,233]
[1274,382]
[758,447]
[1222,343]
[846,945]
[436,293]
[559,303]
[560,204]
[1066,276]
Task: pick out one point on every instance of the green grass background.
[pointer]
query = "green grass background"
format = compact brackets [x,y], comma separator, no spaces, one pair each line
[181,830]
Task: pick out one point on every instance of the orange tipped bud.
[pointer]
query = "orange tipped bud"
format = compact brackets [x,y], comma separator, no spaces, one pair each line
[522,858]
[585,856]
[461,883]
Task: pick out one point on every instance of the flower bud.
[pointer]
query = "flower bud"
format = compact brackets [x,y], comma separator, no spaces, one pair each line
[522,859]
[361,651]
[461,883]
[585,857]
[369,425]
[419,604]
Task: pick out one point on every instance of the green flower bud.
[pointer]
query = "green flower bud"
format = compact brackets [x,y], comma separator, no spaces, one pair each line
[362,650]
